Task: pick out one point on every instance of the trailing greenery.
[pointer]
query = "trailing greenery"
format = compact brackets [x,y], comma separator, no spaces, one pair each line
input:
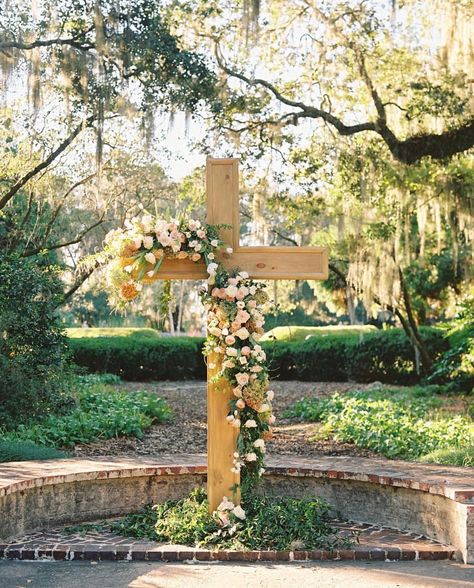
[102,413]
[27,451]
[386,356]
[140,359]
[270,523]
[399,424]
[33,351]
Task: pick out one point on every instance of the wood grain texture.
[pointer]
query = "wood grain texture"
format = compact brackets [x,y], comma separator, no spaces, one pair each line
[222,187]
[221,439]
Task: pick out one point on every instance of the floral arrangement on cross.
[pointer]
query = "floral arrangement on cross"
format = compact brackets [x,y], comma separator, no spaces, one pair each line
[235,318]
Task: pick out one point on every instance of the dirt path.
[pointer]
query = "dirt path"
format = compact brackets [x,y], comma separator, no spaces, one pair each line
[186,433]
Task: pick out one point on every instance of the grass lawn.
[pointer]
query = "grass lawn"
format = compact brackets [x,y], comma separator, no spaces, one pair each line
[79,333]
[302,333]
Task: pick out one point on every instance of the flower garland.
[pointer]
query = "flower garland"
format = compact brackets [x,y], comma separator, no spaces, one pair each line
[235,306]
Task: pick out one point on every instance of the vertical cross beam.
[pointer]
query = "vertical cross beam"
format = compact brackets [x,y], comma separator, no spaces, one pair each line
[222,187]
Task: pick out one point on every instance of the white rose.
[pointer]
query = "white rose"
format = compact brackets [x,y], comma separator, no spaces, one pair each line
[239,512]
[243,360]
[229,250]
[264,408]
[244,275]
[148,242]
[214,331]
[128,269]
[251,457]
[250,424]
[270,395]
[211,268]
[210,256]
[259,444]
[231,351]
[236,423]
[150,257]
[214,242]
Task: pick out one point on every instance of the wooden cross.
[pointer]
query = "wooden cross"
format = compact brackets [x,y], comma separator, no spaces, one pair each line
[266,263]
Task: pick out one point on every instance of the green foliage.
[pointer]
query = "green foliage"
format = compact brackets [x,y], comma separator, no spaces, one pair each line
[27,451]
[385,356]
[102,413]
[456,365]
[399,424]
[279,523]
[463,457]
[33,351]
[141,358]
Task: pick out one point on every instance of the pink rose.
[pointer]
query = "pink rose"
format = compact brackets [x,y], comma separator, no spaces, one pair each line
[240,403]
[242,378]
[196,257]
[230,340]
[245,350]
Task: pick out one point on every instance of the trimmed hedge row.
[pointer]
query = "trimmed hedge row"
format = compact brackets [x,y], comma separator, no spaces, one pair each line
[140,359]
[385,356]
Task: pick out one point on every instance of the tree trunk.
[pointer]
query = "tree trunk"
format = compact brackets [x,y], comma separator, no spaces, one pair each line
[411,328]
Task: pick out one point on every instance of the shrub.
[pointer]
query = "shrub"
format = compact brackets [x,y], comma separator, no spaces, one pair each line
[141,359]
[386,356]
[102,413]
[398,424]
[463,457]
[456,365]
[271,523]
[33,350]
[27,451]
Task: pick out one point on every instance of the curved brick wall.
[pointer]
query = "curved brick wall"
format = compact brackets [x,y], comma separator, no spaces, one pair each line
[431,500]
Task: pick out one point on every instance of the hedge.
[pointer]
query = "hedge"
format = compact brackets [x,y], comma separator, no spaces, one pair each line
[385,356]
[140,359]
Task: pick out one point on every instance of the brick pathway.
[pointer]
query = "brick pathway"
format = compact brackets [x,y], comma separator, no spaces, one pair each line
[99,544]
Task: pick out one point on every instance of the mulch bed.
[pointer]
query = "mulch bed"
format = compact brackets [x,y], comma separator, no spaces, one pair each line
[186,433]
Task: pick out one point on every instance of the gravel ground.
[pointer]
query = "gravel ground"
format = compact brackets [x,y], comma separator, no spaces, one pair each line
[186,433]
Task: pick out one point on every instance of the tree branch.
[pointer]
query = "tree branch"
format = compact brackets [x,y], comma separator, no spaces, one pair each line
[46,163]
[78,239]
[78,283]
[71,42]
[306,111]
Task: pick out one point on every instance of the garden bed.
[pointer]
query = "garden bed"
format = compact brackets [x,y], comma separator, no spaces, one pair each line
[188,433]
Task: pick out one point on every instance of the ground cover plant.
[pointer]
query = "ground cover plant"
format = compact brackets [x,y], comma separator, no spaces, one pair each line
[27,451]
[102,412]
[403,423]
[268,523]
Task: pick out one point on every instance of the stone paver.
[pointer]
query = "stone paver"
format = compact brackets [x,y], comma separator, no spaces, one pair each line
[438,574]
